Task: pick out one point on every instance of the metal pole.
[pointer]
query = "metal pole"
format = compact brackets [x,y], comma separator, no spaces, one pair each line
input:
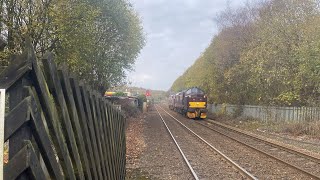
[2,113]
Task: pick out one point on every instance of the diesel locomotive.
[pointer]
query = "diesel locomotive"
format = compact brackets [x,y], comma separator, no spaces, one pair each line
[191,102]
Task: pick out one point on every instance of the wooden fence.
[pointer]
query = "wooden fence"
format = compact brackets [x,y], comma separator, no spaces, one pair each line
[56,127]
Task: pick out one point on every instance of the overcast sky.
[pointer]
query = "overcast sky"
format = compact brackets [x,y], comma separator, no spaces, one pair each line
[177,31]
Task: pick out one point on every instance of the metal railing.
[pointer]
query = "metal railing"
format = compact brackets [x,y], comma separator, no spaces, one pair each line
[2,113]
[270,113]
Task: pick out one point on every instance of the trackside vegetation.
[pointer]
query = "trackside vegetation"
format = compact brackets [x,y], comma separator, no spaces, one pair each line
[266,53]
[99,40]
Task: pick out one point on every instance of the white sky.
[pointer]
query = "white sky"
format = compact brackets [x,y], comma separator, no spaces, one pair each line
[177,31]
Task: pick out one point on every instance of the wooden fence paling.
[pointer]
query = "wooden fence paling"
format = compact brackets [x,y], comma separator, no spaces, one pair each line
[57,129]
[55,88]
[123,148]
[98,133]
[114,143]
[91,128]
[84,125]
[67,91]
[41,135]
[109,137]
[101,109]
[53,121]
[112,140]
[118,130]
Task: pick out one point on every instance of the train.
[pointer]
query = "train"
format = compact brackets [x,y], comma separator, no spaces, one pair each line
[191,102]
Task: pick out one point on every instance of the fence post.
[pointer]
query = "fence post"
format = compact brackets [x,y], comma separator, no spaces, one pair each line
[16,94]
[21,137]
[2,112]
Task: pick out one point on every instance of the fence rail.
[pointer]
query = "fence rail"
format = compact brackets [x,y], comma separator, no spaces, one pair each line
[56,127]
[270,113]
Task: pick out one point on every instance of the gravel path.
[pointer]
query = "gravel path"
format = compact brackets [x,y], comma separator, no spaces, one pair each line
[160,158]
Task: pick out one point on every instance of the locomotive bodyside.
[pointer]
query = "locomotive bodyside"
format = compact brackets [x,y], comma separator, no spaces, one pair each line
[171,102]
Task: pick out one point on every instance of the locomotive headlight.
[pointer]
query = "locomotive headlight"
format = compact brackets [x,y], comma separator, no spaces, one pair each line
[204,96]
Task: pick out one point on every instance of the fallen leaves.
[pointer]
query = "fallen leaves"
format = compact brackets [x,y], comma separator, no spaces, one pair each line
[135,140]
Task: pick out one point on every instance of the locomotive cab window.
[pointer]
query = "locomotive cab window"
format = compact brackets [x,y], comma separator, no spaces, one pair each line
[195,91]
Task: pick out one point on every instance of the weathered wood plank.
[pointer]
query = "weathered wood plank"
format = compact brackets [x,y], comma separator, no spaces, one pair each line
[116,141]
[120,141]
[16,118]
[55,88]
[53,121]
[98,133]
[111,137]
[67,91]
[106,131]
[116,131]
[84,126]
[102,135]
[123,157]
[42,137]
[24,160]
[19,138]
[15,71]
[87,108]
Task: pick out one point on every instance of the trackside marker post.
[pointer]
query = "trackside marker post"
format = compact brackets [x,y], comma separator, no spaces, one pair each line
[2,112]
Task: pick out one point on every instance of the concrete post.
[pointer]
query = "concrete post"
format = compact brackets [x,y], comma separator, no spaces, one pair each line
[144,107]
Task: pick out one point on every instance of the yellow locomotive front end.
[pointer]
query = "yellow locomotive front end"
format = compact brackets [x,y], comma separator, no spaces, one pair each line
[196,103]
[197,110]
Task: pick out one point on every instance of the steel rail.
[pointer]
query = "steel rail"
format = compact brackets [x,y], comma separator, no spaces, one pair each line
[234,164]
[184,157]
[301,154]
[265,153]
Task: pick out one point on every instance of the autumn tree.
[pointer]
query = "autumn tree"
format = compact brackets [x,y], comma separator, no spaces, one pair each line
[265,53]
[98,40]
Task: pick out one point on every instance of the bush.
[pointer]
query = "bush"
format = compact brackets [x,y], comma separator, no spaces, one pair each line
[302,128]
[128,108]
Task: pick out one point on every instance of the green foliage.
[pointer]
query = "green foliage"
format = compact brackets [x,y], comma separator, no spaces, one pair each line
[142,98]
[98,40]
[120,94]
[265,53]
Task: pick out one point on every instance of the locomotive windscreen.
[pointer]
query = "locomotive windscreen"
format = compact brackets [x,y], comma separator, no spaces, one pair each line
[194,90]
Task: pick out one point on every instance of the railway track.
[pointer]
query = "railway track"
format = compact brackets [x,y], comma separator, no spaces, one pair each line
[181,152]
[234,165]
[302,162]
[264,164]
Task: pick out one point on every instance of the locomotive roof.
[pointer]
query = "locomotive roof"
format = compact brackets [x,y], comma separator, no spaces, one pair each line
[183,91]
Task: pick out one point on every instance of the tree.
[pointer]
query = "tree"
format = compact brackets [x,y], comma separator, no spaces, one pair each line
[98,40]
[265,53]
